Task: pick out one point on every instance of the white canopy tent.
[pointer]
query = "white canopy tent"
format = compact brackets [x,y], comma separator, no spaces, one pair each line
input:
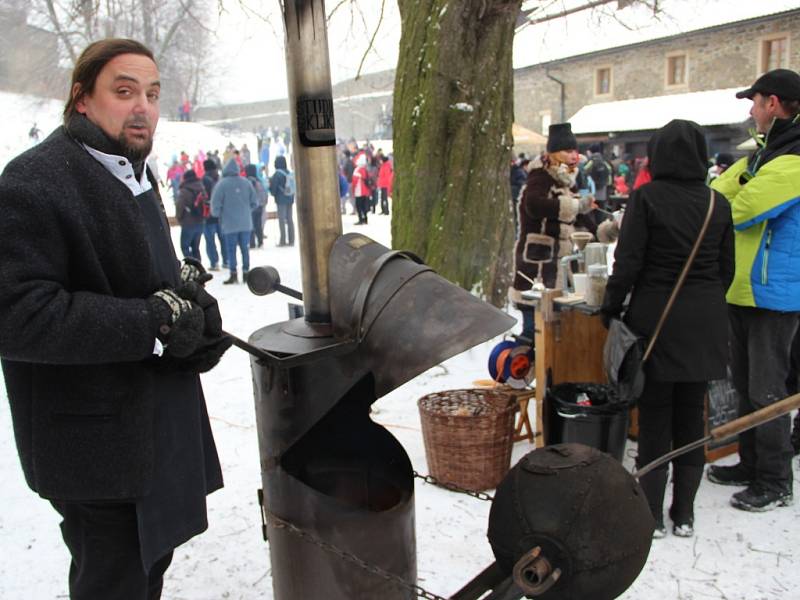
[715,107]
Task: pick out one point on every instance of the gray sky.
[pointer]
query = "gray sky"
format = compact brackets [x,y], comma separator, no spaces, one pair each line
[252,63]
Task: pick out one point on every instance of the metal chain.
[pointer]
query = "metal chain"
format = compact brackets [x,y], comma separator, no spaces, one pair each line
[454,488]
[280,523]
[420,592]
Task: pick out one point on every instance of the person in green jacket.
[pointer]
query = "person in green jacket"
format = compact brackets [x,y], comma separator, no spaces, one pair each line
[764,298]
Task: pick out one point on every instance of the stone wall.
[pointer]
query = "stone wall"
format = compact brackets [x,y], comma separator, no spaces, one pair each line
[725,56]
[360,107]
[29,58]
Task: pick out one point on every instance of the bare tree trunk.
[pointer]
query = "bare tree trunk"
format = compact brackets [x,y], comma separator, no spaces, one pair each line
[453,111]
[59,30]
[147,23]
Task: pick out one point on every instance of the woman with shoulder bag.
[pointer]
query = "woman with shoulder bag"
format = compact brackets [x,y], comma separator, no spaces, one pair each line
[662,223]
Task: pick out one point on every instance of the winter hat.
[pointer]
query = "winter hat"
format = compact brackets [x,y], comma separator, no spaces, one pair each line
[560,137]
[209,165]
[783,83]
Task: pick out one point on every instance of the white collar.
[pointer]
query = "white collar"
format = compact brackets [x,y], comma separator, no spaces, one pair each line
[121,168]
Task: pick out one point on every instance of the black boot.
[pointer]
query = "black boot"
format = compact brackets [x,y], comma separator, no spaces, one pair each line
[234,278]
[653,485]
[685,481]
[796,434]
[244,276]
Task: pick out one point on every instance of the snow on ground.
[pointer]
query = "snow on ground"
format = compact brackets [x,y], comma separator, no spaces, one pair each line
[734,555]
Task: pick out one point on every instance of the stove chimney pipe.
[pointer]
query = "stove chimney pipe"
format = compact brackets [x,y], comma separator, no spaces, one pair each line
[313,147]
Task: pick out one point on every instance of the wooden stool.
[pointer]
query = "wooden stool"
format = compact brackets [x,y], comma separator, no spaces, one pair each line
[523,430]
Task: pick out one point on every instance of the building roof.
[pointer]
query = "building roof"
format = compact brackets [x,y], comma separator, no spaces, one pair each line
[715,107]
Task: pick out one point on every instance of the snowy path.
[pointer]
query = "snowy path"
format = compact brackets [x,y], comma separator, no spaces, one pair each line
[734,556]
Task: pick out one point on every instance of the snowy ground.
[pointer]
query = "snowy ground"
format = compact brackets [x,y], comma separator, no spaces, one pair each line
[734,555]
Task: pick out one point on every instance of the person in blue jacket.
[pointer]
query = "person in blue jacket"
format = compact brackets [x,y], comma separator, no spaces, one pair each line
[281,186]
[233,201]
[764,298]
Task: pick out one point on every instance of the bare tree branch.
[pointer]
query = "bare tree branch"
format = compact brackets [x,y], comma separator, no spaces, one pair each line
[372,39]
[59,32]
[335,8]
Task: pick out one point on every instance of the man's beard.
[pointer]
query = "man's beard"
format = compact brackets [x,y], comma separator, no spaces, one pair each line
[131,152]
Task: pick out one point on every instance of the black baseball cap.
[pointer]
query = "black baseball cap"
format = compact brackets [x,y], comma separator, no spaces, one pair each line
[783,83]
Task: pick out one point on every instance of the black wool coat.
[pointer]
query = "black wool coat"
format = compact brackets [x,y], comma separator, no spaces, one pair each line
[660,226]
[76,333]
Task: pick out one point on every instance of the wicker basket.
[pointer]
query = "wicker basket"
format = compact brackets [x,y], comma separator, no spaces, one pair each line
[468,436]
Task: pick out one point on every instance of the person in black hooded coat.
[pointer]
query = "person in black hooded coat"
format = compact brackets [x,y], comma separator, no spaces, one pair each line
[661,224]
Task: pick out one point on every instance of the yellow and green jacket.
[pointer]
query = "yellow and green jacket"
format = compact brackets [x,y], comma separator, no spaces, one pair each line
[764,192]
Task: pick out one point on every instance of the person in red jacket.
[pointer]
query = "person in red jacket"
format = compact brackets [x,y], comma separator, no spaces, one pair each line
[385,179]
[643,176]
[361,188]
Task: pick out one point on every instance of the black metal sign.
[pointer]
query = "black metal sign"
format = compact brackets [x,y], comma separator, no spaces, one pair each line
[315,122]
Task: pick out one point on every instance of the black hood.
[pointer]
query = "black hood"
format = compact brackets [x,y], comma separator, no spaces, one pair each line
[678,151]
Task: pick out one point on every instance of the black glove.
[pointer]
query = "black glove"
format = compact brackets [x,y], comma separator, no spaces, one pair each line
[205,358]
[606,318]
[179,322]
[193,270]
[195,293]
[213,343]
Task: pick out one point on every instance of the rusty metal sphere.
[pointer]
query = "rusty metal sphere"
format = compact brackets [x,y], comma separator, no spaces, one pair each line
[584,511]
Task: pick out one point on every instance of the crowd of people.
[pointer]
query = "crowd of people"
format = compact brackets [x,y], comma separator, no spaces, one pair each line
[366,176]
[223,199]
[738,308]
[232,217]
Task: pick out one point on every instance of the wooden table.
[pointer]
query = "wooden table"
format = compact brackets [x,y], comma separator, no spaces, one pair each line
[569,343]
[569,347]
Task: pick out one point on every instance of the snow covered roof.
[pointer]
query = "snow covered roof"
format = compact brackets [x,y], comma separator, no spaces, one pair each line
[714,107]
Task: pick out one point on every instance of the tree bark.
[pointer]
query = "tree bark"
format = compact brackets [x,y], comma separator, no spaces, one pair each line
[453,111]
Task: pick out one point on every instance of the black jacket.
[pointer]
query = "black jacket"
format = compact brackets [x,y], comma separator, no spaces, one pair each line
[661,223]
[76,333]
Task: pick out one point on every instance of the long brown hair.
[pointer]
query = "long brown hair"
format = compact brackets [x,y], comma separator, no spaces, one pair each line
[91,61]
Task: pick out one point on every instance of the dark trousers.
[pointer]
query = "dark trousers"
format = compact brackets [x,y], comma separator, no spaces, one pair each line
[212,231]
[285,224]
[103,540]
[190,240]
[241,240]
[761,342]
[257,238]
[671,416]
[362,207]
[384,201]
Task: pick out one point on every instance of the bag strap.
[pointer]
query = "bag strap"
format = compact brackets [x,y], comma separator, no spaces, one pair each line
[681,278]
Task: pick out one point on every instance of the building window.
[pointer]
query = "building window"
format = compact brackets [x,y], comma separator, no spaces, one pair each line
[677,70]
[547,119]
[602,81]
[775,53]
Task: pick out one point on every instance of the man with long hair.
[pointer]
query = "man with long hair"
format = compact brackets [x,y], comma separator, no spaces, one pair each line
[103,333]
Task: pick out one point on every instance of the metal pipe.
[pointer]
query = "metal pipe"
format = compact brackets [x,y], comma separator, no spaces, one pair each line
[314,148]
[563,95]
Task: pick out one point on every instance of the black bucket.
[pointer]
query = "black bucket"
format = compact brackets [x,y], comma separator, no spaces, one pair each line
[602,424]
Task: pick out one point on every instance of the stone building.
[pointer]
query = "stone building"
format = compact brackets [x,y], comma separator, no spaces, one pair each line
[362,108]
[28,55]
[617,97]
[614,97]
